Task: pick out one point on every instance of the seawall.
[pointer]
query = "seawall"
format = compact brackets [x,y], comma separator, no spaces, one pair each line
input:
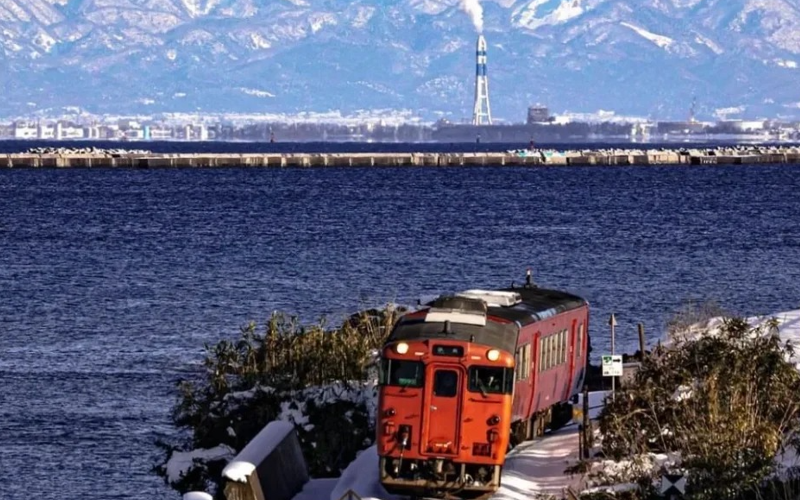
[717,156]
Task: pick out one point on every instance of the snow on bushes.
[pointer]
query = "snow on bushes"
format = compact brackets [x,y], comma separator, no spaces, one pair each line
[322,380]
[725,406]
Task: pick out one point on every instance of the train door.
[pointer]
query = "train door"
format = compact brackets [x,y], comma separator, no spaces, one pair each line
[580,356]
[442,410]
[571,354]
[536,369]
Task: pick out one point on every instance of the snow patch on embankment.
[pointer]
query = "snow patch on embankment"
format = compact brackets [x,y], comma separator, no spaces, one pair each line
[788,324]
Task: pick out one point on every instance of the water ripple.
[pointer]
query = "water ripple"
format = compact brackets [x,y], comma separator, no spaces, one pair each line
[112,280]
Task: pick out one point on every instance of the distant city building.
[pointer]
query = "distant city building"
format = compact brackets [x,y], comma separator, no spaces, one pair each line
[160,133]
[133,134]
[538,114]
[92,132]
[642,129]
[68,131]
[128,124]
[541,126]
[24,130]
[688,127]
[743,125]
[45,131]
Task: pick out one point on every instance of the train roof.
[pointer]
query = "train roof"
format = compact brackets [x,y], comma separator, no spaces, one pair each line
[467,316]
[536,304]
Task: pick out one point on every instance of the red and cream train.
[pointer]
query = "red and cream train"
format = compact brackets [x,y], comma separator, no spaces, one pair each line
[470,374]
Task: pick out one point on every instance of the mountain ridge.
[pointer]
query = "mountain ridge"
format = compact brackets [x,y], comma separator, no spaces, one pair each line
[649,58]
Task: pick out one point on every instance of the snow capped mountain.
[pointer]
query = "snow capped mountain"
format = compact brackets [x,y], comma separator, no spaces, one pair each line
[646,57]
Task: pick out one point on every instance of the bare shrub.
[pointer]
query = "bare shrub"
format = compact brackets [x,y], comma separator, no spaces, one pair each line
[692,318]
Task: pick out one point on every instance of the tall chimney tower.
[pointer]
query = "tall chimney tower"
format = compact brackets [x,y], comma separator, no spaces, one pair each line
[482,114]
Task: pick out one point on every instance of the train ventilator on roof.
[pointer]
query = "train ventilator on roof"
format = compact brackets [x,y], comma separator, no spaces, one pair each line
[493,298]
[456,309]
[453,316]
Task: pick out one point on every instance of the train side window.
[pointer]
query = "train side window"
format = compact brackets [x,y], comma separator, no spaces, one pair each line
[547,353]
[552,351]
[402,373]
[541,357]
[563,346]
[523,362]
[580,339]
[527,355]
[558,348]
[445,383]
[567,339]
[544,354]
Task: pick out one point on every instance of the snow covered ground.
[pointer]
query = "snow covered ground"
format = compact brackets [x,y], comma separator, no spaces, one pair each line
[318,489]
[361,477]
[537,467]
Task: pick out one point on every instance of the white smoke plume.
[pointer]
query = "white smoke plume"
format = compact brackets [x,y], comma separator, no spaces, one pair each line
[475,11]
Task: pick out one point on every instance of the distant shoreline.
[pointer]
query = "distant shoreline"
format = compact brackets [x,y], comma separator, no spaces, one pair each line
[95,158]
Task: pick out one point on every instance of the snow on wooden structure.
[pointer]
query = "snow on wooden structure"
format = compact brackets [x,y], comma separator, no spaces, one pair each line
[270,467]
[197,495]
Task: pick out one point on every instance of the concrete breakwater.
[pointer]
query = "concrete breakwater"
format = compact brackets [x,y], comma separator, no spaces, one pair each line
[729,156]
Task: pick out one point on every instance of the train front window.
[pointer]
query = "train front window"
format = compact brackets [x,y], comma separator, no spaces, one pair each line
[491,380]
[402,373]
[445,383]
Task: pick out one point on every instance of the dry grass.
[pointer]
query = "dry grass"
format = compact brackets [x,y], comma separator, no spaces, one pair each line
[727,405]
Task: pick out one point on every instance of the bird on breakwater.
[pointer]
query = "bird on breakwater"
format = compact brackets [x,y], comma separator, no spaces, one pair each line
[85,151]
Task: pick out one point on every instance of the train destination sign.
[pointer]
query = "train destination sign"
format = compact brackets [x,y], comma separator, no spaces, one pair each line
[612,365]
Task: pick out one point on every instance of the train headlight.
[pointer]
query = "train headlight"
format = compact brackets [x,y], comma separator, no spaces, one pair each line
[401,348]
[493,355]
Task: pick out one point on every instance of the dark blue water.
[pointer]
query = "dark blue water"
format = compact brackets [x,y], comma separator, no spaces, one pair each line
[112,280]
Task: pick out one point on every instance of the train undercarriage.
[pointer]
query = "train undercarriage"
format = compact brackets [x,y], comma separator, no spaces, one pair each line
[439,478]
[442,479]
[553,418]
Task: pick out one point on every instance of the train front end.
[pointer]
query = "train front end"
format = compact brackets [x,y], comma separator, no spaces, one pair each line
[444,405]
